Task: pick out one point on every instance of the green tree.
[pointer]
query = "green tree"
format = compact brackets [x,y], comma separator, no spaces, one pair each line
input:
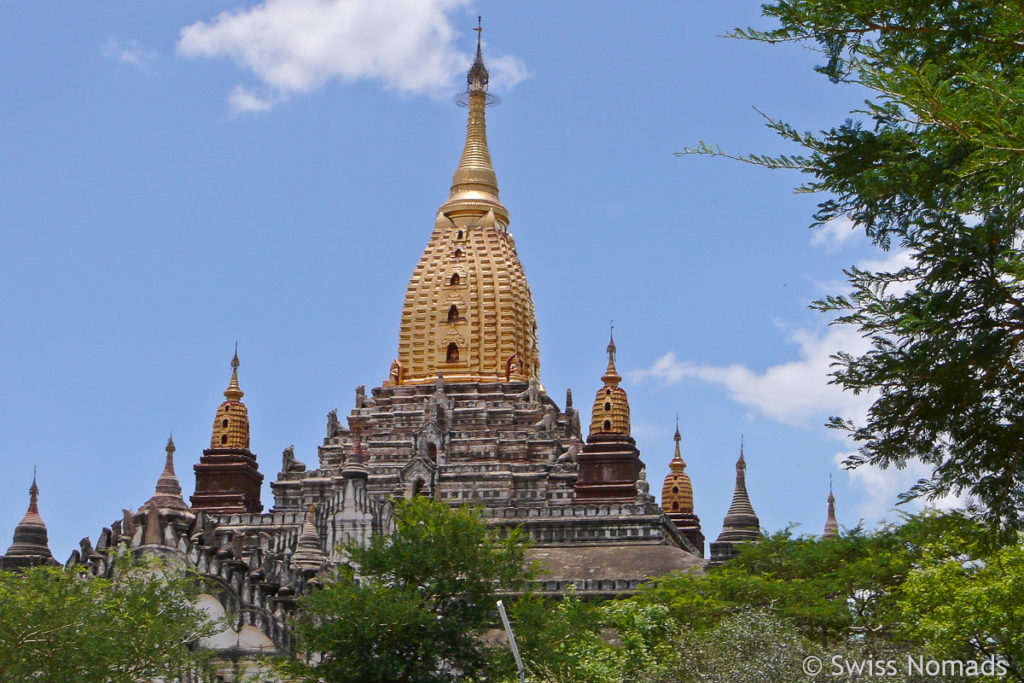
[417,602]
[966,607]
[58,625]
[933,163]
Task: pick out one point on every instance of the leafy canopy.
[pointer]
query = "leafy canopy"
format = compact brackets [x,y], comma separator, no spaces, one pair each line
[421,600]
[62,625]
[933,164]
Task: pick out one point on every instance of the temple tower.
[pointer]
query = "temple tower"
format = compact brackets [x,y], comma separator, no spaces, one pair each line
[677,498]
[831,525]
[31,546]
[741,524]
[610,462]
[227,477]
[468,309]
[168,491]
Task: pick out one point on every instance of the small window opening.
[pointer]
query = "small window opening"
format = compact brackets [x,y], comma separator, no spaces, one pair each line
[453,313]
[432,452]
[223,439]
[607,425]
[417,487]
[460,235]
[675,505]
[453,353]
[675,489]
[607,406]
[458,253]
[607,392]
[455,280]
[224,423]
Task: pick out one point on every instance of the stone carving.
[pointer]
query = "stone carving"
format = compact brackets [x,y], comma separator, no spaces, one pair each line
[439,404]
[512,367]
[288,461]
[569,457]
[643,489]
[547,423]
[361,399]
[532,393]
[333,425]
[396,372]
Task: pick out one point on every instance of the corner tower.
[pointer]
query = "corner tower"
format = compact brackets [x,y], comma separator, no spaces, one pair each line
[227,477]
[677,498]
[741,524]
[610,463]
[468,310]
[31,546]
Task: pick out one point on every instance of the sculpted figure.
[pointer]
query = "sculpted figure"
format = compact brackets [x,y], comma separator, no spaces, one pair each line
[396,372]
[512,367]
[547,423]
[333,425]
[289,463]
[569,456]
[643,489]
[361,400]
[532,393]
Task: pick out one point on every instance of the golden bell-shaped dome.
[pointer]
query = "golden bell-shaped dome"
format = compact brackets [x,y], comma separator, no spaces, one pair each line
[677,493]
[231,425]
[468,310]
[611,406]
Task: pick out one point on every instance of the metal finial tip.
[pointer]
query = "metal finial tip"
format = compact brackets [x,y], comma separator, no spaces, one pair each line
[170,443]
[234,361]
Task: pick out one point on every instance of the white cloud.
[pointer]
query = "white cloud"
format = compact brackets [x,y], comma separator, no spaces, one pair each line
[130,53]
[879,489]
[834,234]
[796,392]
[297,46]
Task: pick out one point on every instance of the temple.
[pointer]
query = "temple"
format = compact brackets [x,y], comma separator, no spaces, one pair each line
[460,416]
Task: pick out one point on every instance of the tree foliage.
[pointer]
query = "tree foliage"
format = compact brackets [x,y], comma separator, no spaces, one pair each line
[62,625]
[417,602]
[933,164]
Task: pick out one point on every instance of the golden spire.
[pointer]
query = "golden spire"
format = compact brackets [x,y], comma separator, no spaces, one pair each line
[468,309]
[611,376]
[231,424]
[611,405]
[678,465]
[677,491]
[475,184]
[234,392]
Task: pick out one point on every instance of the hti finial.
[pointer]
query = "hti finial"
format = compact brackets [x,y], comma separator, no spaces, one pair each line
[477,78]
[677,437]
[234,392]
[611,340]
[170,443]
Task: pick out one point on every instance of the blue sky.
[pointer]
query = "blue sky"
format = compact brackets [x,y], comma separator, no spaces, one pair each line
[179,176]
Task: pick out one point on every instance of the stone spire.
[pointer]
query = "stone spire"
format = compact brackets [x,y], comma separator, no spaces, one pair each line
[355,463]
[468,309]
[309,555]
[31,546]
[168,490]
[831,525]
[611,405]
[741,524]
[227,477]
[677,498]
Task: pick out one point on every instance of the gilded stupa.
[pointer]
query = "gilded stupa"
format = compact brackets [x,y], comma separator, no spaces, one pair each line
[468,310]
